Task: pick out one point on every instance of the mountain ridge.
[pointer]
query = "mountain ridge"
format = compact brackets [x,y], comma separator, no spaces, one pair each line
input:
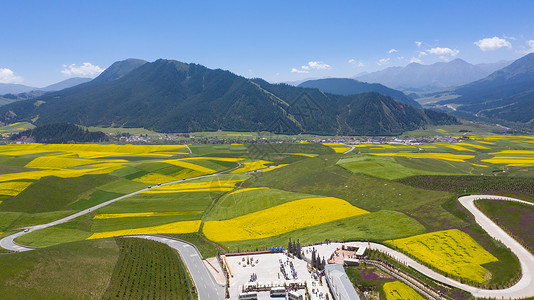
[419,77]
[347,86]
[171,96]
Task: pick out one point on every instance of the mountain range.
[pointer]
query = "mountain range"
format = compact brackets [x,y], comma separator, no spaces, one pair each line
[506,94]
[171,96]
[9,88]
[347,86]
[418,77]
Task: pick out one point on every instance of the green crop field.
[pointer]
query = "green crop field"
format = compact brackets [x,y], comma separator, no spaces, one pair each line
[148,270]
[70,271]
[402,191]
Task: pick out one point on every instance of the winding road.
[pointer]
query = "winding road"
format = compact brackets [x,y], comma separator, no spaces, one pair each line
[209,289]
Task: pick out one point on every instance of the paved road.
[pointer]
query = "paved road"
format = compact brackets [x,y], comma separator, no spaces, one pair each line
[206,286]
[9,244]
[351,148]
[522,289]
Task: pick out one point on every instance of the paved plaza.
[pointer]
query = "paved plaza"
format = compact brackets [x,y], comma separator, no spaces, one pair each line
[266,270]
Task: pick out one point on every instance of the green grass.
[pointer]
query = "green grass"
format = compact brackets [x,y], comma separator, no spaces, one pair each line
[163,202]
[378,226]
[54,193]
[369,278]
[102,225]
[80,270]
[5,169]
[123,186]
[379,166]
[8,218]
[208,150]
[14,220]
[515,218]
[95,198]
[148,270]
[234,205]
[52,236]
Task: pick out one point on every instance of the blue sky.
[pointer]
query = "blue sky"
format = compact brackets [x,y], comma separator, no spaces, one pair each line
[43,42]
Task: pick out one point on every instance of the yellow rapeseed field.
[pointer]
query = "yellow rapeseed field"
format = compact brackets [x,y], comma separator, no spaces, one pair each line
[300,154]
[451,251]
[397,290]
[171,228]
[231,159]
[341,149]
[213,189]
[473,145]
[188,165]
[57,162]
[248,189]
[252,166]
[333,144]
[13,188]
[198,185]
[456,147]
[281,219]
[147,214]
[512,157]
[443,156]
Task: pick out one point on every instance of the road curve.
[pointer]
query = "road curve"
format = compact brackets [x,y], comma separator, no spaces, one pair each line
[9,243]
[522,289]
[206,286]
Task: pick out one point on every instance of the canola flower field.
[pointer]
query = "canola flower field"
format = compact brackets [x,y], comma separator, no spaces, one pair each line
[451,251]
[396,290]
[227,207]
[281,219]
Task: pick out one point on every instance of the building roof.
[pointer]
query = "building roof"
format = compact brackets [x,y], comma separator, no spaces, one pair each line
[340,284]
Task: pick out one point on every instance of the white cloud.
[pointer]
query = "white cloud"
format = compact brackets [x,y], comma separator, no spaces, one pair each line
[493,43]
[294,70]
[383,61]
[318,65]
[393,51]
[443,52]
[418,44]
[422,53]
[358,63]
[85,70]
[401,58]
[531,45]
[416,60]
[7,76]
[312,65]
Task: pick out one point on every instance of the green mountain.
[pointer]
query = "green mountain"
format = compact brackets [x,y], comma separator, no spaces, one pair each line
[507,94]
[170,96]
[346,86]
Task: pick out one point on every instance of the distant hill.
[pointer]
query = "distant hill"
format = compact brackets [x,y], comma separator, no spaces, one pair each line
[170,96]
[60,133]
[345,86]
[507,94]
[418,77]
[9,88]
[119,69]
[67,83]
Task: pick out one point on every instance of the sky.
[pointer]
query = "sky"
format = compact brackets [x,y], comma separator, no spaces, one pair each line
[44,42]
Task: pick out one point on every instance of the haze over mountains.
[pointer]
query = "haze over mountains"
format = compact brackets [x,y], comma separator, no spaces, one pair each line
[506,94]
[170,96]
[418,77]
[347,86]
[9,88]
